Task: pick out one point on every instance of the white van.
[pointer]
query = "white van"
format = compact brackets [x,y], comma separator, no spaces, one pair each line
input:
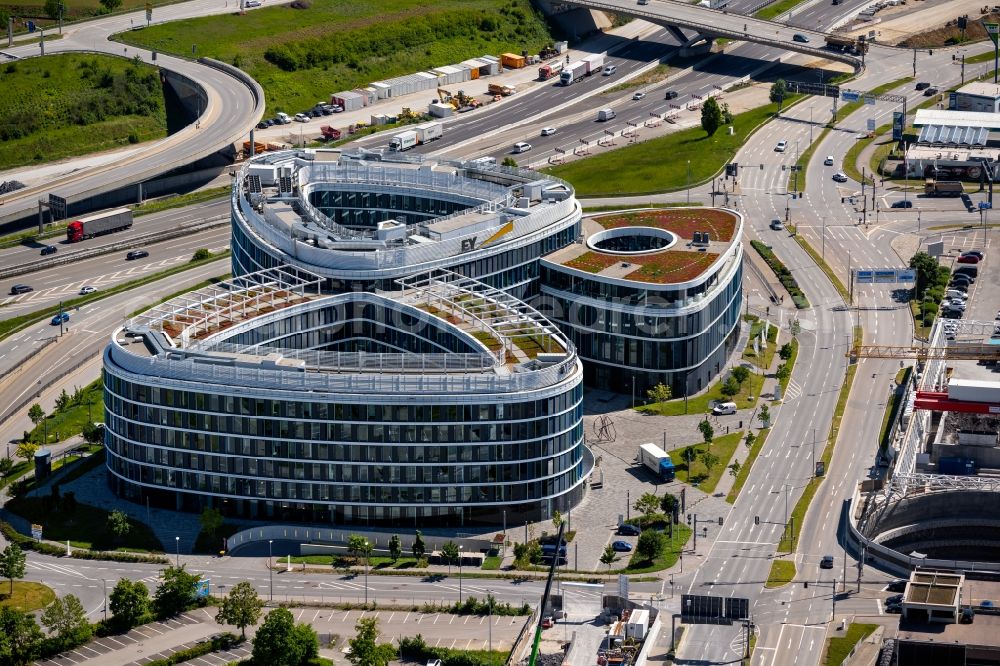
[724,408]
[605,114]
[522,147]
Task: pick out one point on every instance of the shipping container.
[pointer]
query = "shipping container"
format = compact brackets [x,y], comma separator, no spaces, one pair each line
[348,100]
[512,61]
[595,62]
[956,466]
[97,225]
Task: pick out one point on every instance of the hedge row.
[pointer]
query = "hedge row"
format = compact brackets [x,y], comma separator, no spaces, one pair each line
[27,543]
[784,275]
[215,644]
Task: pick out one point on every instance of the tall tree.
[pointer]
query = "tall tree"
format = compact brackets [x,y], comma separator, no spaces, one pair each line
[211,520]
[279,642]
[927,271]
[176,592]
[779,89]
[241,607]
[395,547]
[357,545]
[20,637]
[709,460]
[129,603]
[557,519]
[67,619]
[365,648]
[450,552]
[669,503]
[650,545]
[740,374]
[707,431]
[419,548]
[118,524]
[785,353]
[111,5]
[12,563]
[647,504]
[609,556]
[36,413]
[711,116]
[659,393]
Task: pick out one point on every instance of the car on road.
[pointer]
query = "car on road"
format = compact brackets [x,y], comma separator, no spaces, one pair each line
[930,92]
[923,85]
[20,289]
[87,290]
[521,147]
[60,318]
[828,161]
[639,95]
[609,70]
[671,94]
[301,118]
[826,562]
[724,408]
[547,622]
[136,254]
[548,131]
[780,146]
[621,546]
[777,225]
[968,615]
[49,249]
[799,37]
[902,203]
[968,259]
[263,125]
[628,529]
[840,177]
[987,606]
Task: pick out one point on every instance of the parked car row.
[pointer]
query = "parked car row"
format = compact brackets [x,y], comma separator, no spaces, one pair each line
[317,111]
[956,297]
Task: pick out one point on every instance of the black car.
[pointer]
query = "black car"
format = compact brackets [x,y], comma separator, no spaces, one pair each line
[671,94]
[262,125]
[136,254]
[628,529]
[49,249]
[902,203]
[897,585]
[826,562]
[930,92]
[20,289]
[923,85]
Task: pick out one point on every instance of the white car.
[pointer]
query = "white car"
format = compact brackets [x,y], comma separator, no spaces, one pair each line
[301,118]
[955,304]
[840,177]
[522,147]
[87,290]
[828,161]
[638,96]
[609,70]
[548,131]
[780,148]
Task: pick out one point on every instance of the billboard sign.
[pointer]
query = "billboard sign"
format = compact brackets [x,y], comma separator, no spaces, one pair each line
[992,29]
[849,96]
[897,125]
[871,124]
[864,276]
[906,275]
[885,276]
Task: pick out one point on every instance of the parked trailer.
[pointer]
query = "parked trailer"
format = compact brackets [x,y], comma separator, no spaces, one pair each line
[657,460]
[573,72]
[546,72]
[96,225]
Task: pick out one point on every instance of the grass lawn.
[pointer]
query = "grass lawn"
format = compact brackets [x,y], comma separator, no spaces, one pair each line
[492,563]
[668,557]
[782,572]
[84,527]
[63,424]
[747,397]
[723,446]
[64,105]
[849,108]
[797,180]
[838,647]
[73,10]
[181,200]
[777,8]
[747,466]
[763,360]
[301,56]
[26,596]
[614,208]
[16,472]
[919,329]
[648,172]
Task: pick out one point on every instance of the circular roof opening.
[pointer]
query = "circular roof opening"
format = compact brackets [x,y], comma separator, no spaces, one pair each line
[631,240]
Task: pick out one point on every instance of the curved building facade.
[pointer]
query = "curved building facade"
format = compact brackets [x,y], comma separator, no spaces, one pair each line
[358,408]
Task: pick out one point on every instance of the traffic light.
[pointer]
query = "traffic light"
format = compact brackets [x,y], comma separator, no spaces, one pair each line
[720,521]
[756,520]
[805,584]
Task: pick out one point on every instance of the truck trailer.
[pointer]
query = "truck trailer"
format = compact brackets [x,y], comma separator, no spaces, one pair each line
[420,134]
[546,72]
[96,225]
[595,61]
[428,131]
[658,461]
[573,72]
[943,188]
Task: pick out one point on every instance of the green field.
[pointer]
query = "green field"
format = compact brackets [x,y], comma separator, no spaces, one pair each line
[301,56]
[661,164]
[723,446]
[82,525]
[782,572]
[65,105]
[838,648]
[73,10]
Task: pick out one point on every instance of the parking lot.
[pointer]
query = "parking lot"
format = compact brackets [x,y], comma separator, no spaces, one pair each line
[982,296]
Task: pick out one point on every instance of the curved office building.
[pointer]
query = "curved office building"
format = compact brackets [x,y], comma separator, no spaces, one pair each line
[446,402]
[649,296]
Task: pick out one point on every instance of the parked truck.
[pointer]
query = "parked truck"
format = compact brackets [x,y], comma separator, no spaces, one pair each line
[418,135]
[943,188]
[96,225]
[658,461]
[500,89]
[546,72]
[956,465]
[330,133]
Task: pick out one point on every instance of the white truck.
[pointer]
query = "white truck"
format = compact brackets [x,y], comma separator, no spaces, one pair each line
[605,114]
[420,134]
[428,132]
[573,72]
[658,461]
[595,62]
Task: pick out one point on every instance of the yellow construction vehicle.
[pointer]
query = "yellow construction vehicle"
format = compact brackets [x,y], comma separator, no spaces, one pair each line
[447,98]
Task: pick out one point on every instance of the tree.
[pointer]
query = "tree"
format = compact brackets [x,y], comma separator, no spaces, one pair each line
[36,413]
[241,607]
[67,619]
[669,504]
[93,434]
[751,438]
[12,561]
[711,116]
[734,469]
[765,415]
[129,603]
[52,8]
[785,353]
[280,642]
[418,548]
[779,89]
[659,393]
[740,373]
[176,593]
[211,520]
[727,115]
[709,460]
[26,450]
[647,505]
[509,162]
[6,464]
[20,637]
[927,271]
[557,519]
[707,431]
[395,547]
[650,545]
[783,371]
[729,387]
[118,524]
[365,648]
[450,552]
[609,556]
[357,546]
[201,254]
[111,5]
[62,401]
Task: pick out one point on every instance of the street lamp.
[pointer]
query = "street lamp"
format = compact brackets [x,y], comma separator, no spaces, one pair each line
[489,602]
[460,573]
[689,184]
[177,545]
[103,580]
[270,572]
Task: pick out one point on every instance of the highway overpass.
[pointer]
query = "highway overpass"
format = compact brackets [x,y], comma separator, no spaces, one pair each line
[712,23]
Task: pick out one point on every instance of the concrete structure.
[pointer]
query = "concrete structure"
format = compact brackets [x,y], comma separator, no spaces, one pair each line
[979,96]
[933,596]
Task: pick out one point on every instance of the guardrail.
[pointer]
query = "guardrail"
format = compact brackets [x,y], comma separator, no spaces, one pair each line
[128,244]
